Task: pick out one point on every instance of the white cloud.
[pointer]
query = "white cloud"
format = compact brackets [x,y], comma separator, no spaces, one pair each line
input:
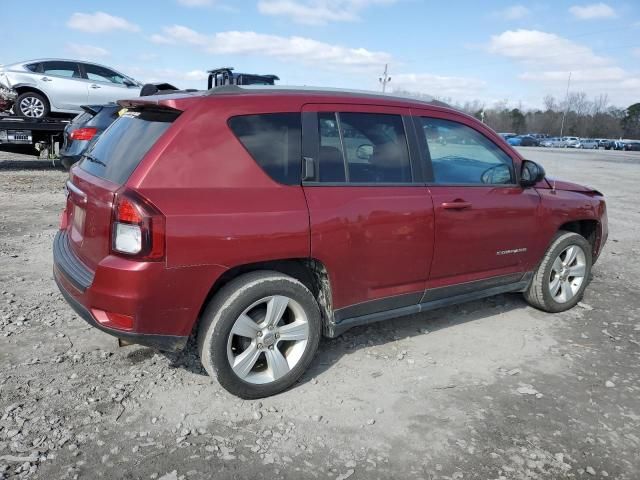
[196,3]
[300,49]
[196,75]
[549,58]
[99,22]
[592,11]
[546,50]
[459,88]
[318,12]
[86,51]
[635,52]
[514,12]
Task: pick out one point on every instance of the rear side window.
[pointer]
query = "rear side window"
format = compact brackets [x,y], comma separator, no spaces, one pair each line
[274,140]
[372,146]
[119,150]
[61,69]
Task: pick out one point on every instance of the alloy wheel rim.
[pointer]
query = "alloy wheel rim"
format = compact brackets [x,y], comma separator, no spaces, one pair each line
[567,274]
[32,107]
[268,339]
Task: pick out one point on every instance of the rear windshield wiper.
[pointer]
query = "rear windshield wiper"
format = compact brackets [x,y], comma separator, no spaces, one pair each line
[93,159]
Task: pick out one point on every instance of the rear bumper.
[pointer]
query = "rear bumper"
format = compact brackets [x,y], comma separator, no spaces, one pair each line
[161,342]
[164,303]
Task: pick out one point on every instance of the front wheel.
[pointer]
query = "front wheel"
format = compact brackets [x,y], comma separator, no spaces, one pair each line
[31,105]
[259,334]
[562,276]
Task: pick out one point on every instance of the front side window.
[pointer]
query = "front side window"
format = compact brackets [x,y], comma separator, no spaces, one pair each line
[97,73]
[274,140]
[462,155]
[61,69]
[363,148]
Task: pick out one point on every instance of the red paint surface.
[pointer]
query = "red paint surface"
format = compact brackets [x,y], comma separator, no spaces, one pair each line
[223,211]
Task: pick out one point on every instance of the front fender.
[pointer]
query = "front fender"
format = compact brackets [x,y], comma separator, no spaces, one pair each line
[559,207]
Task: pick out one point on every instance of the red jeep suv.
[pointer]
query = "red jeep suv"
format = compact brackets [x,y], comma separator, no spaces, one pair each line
[262,218]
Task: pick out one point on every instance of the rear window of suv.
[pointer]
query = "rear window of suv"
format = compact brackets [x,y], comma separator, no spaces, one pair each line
[119,150]
[274,140]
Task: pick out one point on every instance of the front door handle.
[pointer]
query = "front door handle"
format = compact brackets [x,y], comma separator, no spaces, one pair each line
[94,86]
[456,205]
[45,79]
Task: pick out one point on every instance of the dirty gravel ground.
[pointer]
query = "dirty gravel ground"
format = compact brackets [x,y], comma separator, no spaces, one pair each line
[489,389]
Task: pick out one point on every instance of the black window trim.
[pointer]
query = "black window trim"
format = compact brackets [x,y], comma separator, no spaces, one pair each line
[430,178]
[345,162]
[311,146]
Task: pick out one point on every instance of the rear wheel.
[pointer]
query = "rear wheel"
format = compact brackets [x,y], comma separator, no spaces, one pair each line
[31,105]
[259,334]
[562,276]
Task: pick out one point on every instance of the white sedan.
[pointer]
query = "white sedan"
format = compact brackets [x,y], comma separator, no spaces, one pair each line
[62,86]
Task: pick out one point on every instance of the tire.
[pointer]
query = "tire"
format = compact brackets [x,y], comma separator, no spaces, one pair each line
[539,293]
[253,295]
[31,105]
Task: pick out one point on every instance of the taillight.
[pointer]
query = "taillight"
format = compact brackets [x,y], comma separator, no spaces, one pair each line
[137,227]
[86,133]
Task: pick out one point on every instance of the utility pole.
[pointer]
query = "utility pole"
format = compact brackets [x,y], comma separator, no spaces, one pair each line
[385,78]
[566,107]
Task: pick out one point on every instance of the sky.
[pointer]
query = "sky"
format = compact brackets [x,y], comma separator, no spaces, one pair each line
[491,51]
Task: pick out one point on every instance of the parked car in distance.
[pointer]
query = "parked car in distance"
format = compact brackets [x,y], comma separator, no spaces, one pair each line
[523,141]
[85,129]
[587,143]
[631,146]
[552,142]
[63,86]
[263,218]
[570,142]
[618,144]
[507,136]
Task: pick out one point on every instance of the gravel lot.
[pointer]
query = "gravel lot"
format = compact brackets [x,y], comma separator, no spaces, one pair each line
[489,389]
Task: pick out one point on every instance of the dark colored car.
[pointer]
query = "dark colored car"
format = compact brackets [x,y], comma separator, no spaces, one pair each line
[631,146]
[261,219]
[85,129]
[523,141]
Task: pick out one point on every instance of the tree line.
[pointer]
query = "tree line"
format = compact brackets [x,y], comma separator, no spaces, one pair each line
[583,117]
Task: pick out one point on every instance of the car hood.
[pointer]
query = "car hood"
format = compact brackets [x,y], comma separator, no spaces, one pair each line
[551,183]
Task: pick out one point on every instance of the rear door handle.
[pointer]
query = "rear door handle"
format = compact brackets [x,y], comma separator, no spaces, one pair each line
[94,86]
[45,79]
[457,205]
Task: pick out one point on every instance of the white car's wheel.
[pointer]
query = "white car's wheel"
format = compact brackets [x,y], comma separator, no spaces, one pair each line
[31,105]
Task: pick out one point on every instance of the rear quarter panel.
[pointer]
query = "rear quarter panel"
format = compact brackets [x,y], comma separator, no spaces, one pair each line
[220,206]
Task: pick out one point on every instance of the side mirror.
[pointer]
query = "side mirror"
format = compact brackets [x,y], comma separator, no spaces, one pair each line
[364,152]
[531,173]
[497,175]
